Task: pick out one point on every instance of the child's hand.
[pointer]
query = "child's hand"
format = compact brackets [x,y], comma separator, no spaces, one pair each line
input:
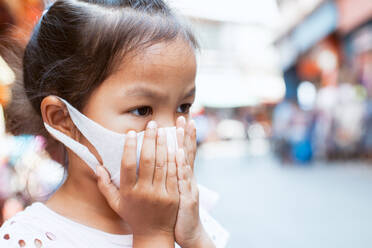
[189,231]
[186,139]
[150,203]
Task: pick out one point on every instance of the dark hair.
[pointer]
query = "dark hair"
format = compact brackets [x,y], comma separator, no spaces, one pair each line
[79,43]
[75,46]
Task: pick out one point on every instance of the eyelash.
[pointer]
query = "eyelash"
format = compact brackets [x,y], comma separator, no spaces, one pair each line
[141,109]
[188,106]
[146,110]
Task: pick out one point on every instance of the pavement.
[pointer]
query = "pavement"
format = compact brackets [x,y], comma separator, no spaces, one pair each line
[267,205]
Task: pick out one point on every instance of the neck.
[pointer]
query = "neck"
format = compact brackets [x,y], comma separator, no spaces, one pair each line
[79,199]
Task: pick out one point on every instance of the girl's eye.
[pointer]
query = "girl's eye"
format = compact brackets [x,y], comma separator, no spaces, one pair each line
[184,108]
[142,111]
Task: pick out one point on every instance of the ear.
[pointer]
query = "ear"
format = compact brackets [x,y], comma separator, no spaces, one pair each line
[55,114]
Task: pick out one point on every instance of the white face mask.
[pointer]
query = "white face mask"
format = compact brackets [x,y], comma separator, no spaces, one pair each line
[108,144]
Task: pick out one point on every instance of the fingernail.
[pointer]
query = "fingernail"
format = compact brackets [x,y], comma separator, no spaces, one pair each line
[182,119]
[151,125]
[132,134]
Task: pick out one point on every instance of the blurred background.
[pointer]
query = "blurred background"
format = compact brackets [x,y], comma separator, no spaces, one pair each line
[283,112]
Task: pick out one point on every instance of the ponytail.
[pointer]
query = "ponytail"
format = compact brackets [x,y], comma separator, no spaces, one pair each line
[20,116]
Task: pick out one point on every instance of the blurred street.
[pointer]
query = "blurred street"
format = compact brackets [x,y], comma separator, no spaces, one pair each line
[263,204]
[283,113]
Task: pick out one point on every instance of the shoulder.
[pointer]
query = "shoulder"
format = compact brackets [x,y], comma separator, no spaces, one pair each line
[27,229]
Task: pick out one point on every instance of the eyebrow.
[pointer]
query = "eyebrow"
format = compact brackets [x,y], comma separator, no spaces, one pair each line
[143,91]
[191,93]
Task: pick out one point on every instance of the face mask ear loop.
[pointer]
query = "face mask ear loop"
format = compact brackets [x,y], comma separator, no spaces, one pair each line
[80,150]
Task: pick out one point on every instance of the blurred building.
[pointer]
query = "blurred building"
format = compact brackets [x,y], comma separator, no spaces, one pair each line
[239,76]
[238,61]
[326,59]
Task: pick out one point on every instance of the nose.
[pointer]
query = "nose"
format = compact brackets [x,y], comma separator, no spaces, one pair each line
[166,121]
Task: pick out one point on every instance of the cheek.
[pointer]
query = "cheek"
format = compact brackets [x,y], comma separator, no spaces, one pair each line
[126,123]
[119,123]
[106,112]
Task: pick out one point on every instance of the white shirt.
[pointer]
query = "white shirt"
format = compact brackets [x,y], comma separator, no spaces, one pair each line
[39,224]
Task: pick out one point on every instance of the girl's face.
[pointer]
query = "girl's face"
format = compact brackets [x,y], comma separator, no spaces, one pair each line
[156,84]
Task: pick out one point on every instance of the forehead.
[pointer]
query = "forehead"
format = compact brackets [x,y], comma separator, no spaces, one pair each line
[160,65]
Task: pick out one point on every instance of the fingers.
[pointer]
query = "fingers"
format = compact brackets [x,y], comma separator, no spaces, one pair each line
[172,183]
[187,140]
[181,122]
[184,182]
[107,188]
[190,143]
[181,125]
[180,161]
[160,173]
[194,185]
[180,133]
[181,164]
[129,161]
[148,152]
[187,186]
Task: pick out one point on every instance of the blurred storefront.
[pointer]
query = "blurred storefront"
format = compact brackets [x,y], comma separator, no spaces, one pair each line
[326,60]
[239,79]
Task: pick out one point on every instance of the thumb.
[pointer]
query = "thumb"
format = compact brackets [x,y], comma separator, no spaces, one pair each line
[107,188]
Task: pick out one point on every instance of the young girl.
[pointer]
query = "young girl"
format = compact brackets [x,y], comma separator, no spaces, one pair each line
[109,79]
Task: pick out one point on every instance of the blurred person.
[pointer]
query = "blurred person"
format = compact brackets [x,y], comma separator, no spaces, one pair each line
[364,68]
[325,103]
[367,128]
[282,118]
[300,137]
[125,69]
[348,115]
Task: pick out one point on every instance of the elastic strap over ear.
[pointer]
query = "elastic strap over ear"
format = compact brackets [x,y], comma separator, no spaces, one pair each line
[79,149]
